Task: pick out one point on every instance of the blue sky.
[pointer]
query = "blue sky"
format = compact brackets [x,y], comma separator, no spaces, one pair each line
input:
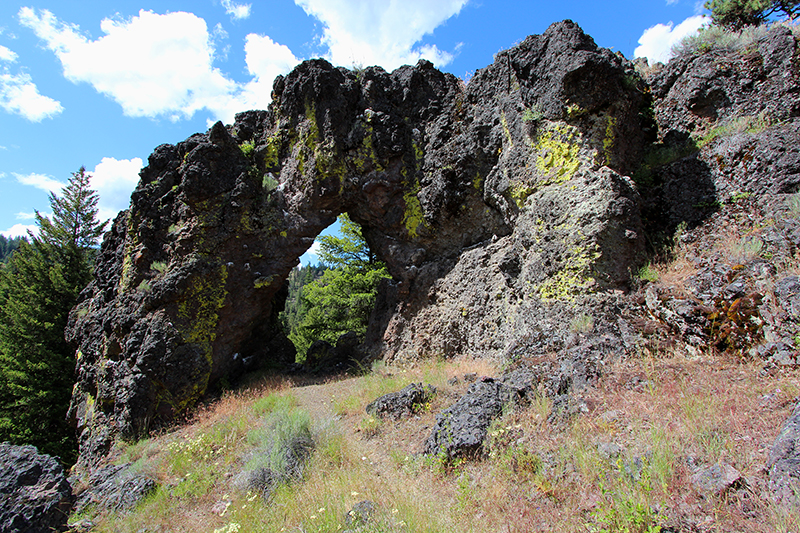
[102,83]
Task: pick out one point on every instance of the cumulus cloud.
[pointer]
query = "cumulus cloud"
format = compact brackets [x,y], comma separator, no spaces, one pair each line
[19,230]
[656,42]
[41,181]
[151,64]
[236,11]
[162,65]
[114,181]
[365,32]
[26,216]
[18,93]
[7,55]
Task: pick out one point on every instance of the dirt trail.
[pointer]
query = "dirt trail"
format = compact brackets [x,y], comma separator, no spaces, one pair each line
[319,400]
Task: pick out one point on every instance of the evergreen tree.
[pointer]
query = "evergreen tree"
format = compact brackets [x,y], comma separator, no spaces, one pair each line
[7,246]
[38,287]
[736,14]
[342,299]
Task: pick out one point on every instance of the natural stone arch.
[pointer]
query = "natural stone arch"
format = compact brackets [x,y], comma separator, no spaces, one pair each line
[512,180]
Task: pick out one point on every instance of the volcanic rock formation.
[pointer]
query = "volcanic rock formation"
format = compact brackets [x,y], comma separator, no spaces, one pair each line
[502,209]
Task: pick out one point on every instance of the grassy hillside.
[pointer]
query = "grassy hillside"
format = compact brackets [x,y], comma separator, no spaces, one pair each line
[623,461]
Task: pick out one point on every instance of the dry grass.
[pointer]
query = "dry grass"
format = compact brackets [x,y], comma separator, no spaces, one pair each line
[664,416]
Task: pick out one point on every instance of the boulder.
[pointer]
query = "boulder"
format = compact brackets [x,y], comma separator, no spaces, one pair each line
[717,479]
[461,429]
[35,494]
[115,488]
[783,463]
[402,403]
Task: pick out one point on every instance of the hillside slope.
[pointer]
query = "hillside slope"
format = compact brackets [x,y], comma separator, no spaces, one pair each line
[609,239]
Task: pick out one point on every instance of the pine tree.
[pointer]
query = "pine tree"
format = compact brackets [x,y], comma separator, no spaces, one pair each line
[7,246]
[736,14]
[38,287]
[342,299]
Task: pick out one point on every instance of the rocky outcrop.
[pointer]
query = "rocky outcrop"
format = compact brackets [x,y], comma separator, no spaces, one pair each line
[404,402]
[784,461]
[501,209]
[720,184]
[115,488]
[462,428]
[35,494]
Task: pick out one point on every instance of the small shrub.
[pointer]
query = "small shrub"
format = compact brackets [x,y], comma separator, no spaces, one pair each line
[370,426]
[793,202]
[745,124]
[284,445]
[647,273]
[532,114]
[582,323]
[268,182]
[625,506]
[247,148]
[144,286]
[159,266]
[717,38]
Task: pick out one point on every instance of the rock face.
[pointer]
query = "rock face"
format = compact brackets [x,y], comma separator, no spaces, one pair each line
[492,205]
[502,209]
[784,461]
[35,494]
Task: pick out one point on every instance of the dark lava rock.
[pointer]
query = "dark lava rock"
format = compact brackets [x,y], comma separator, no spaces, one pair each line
[361,513]
[461,429]
[35,496]
[784,461]
[402,403]
[115,488]
[500,209]
[717,479]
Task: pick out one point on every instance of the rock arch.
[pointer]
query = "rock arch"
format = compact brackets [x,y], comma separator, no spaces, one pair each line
[493,205]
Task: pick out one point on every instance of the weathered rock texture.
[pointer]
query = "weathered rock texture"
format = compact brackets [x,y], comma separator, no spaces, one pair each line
[501,209]
[404,402]
[35,496]
[492,205]
[784,461]
[115,488]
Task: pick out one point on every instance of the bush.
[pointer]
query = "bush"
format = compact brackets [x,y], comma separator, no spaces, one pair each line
[717,38]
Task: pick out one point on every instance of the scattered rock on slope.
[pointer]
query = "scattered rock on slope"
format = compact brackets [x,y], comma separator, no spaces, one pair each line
[115,488]
[402,403]
[35,494]
[784,461]
[461,429]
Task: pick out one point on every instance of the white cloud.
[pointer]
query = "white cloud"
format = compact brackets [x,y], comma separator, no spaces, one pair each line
[656,42]
[365,32]
[159,65]
[26,216]
[20,230]
[265,59]
[114,180]
[41,181]
[151,65]
[7,55]
[236,11]
[18,93]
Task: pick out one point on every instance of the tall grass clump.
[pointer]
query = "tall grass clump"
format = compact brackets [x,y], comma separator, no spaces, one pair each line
[712,38]
[282,445]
